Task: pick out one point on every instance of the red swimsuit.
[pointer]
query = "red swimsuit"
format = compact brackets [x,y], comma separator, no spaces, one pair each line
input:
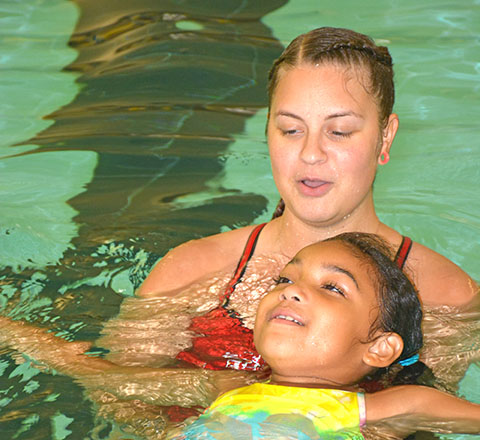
[223,341]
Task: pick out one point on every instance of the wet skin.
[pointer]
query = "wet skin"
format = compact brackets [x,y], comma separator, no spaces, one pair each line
[314,326]
[324,139]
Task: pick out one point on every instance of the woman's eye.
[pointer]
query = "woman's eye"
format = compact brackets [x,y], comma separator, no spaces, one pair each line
[334,288]
[291,132]
[344,134]
[283,280]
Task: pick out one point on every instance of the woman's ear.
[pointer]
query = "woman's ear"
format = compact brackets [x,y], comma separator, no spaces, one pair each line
[384,350]
[388,134]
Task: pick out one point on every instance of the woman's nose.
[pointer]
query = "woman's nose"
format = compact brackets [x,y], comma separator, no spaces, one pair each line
[292,293]
[313,150]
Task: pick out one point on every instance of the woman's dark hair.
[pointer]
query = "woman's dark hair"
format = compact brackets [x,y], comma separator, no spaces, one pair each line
[399,307]
[347,48]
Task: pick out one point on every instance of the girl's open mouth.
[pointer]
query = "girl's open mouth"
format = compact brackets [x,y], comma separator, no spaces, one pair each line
[288,317]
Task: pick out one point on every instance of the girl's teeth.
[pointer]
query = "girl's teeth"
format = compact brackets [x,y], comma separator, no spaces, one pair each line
[289,318]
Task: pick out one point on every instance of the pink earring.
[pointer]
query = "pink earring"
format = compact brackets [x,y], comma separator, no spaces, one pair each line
[384,158]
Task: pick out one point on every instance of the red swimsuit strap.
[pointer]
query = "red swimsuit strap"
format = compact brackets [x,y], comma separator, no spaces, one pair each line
[403,251]
[245,258]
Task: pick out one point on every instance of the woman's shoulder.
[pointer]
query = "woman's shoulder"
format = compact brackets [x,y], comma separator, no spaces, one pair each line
[194,260]
[440,281]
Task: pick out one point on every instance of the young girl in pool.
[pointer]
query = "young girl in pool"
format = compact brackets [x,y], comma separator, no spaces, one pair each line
[330,125]
[341,309]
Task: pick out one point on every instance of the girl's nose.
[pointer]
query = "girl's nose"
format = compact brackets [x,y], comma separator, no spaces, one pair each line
[313,150]
[291,293]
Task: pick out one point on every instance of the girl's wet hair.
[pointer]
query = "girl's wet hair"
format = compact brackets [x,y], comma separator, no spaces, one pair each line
[399,307]
[346,48]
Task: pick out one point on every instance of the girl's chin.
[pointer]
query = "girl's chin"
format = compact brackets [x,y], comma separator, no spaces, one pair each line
[280,357]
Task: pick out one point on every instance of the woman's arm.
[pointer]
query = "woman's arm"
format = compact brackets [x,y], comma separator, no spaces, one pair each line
[423,408]
[193,261]
[439,281]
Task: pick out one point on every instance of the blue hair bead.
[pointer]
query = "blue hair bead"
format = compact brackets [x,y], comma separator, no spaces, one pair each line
[409,361]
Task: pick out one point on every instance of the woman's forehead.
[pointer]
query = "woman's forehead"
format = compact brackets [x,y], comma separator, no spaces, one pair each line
[336,78]
[323,85]
[344,69]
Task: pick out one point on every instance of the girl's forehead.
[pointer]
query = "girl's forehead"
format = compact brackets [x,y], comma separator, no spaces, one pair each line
[325,248]
[339,254]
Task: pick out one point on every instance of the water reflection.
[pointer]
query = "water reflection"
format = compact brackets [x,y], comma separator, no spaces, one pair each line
[166,88]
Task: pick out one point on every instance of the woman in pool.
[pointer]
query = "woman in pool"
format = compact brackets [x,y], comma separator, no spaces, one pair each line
[330,125]
[341,309]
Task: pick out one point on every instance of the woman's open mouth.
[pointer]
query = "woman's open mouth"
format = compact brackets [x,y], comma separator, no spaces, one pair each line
[314,187]
[313,183]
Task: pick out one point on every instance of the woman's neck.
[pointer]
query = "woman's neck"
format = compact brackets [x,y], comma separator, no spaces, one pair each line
[290,233]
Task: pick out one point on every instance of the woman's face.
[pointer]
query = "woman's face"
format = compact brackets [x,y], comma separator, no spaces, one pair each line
[324,141]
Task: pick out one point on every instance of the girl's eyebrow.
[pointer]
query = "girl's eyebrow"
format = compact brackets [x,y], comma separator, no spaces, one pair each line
[295,260]
[339,269]
[331,267]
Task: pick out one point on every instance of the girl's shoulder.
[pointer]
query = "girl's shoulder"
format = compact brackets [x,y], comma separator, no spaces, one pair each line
[195,260]
[439,281]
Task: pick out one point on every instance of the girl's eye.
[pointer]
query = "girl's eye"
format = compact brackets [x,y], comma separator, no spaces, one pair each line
[282,280]
[332,287]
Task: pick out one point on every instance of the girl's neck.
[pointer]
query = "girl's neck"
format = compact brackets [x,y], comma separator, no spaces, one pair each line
[310,383]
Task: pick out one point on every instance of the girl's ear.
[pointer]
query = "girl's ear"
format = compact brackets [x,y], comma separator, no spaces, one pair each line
[384,350]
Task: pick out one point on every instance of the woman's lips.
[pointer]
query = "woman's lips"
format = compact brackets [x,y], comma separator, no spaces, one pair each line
[314,187]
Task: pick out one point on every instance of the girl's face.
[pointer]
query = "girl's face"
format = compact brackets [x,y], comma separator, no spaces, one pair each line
[324,141]
[314,326]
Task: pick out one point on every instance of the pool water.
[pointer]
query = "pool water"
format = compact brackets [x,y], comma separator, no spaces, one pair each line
[127,130]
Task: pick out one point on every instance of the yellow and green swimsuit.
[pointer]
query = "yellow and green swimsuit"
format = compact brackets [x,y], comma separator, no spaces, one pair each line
[265,411]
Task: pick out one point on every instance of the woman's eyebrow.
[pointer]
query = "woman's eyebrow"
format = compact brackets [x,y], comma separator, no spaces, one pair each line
[344,114]
[331,116]
[288,115]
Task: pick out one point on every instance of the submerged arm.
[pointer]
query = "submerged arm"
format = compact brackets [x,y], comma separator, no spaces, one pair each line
[415,408]
[160,386]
